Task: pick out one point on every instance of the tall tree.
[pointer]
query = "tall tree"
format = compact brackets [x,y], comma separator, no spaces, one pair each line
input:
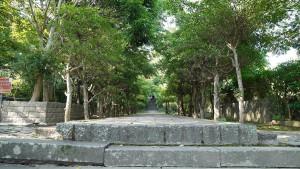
[40,14]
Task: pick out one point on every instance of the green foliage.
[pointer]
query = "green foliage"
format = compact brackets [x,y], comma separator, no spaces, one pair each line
[223,119]
[276,117]
[286,87]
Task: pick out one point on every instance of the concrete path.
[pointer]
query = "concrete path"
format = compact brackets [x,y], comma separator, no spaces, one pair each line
[17,166]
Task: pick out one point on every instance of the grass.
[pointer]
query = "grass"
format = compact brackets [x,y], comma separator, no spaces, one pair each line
[268,127]
[276,128]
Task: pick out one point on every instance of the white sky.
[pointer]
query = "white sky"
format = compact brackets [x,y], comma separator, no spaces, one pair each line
[277,59]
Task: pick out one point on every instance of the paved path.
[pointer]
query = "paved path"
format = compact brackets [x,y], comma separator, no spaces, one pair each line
[151,117]
[16,166]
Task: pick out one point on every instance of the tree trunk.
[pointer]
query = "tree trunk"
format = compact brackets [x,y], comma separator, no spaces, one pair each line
[78,96]
[191,105]
[167,107]
[179,111]
[85,102]
[37,87]
[180,101]
[68,93]
[100,106]
[240,96]
[195,98]
[203,101]
[51,88]
[182,105]
[45,91]
[211,98]
[85,94]
[216,97]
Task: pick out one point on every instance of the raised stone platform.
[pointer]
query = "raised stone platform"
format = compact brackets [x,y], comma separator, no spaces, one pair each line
[159,129]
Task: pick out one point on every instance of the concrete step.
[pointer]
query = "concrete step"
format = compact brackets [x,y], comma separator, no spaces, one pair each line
[185,134]
[30,151]
[18,166]
[51,151]
[48,132]
[267,138]
[151,106]
[158,156]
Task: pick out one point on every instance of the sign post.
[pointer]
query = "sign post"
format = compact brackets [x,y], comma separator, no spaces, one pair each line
[5,87]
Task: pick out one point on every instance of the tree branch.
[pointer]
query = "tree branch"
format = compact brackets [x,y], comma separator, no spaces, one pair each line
[34,17]
[96,96]
[45,15]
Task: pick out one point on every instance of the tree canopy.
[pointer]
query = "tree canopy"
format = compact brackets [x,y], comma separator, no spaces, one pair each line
[111,55]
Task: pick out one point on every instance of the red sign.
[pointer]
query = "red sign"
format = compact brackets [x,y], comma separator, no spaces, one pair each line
[5,85]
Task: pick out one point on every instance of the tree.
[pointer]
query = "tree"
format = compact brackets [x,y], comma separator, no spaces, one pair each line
[40,15]
[244,22]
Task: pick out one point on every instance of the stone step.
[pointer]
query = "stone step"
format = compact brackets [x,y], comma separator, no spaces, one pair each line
[157,156]
[51,151]
[48,132]
[151,106]
[267,138]
[161,134]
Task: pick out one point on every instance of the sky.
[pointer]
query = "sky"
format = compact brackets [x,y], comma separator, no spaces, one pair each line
[277,59]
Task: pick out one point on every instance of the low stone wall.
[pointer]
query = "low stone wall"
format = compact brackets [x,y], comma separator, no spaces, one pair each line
[258,111]
[37,112]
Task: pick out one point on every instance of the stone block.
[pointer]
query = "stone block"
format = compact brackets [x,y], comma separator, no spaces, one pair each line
[248,134]
[40,104]
[118,134]
[51,105]
[50,115]
[192,135]
[100,133]
[17,114]
[66,130]
[27,104]
[155,134]
[30,109]
[19,120]
[16,109]
[229,134]
[174,134]
[54,120]
[41,109]
[34,120]
[82,132]
[61,105]
[36,115]
[267,138]
[50,151]
[155,156]
[5,103]
[4,114]
[136,134]
[14,103]
[260,156]
[211,134]
[52,110]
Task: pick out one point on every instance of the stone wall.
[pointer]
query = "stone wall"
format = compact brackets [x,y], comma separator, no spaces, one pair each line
[37,112]
[258,111]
